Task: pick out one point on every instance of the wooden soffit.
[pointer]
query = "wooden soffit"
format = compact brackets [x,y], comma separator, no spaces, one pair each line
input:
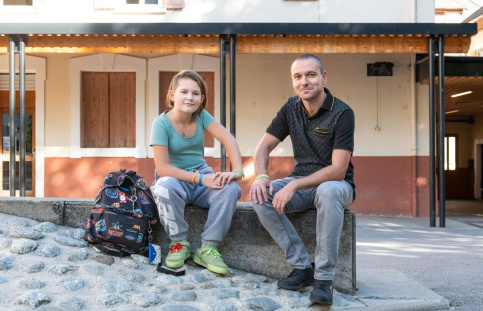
[245,44]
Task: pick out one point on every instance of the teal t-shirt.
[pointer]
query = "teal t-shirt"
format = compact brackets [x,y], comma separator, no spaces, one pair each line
[184,152]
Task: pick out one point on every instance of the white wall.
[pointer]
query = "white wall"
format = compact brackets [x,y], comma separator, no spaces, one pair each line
[245,11]
[264,85]
[476,47]
[422,117]
[425,11]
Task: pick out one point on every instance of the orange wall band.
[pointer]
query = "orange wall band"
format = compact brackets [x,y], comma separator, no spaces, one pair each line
[384,185]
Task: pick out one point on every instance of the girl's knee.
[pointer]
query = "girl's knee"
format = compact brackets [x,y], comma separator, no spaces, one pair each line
[232,189]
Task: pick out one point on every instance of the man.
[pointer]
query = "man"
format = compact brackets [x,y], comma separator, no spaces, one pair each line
[322,131]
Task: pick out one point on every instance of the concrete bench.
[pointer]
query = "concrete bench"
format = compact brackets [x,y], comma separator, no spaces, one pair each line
[247,246]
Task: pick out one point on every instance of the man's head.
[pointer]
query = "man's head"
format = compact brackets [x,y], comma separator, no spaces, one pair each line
[308,77]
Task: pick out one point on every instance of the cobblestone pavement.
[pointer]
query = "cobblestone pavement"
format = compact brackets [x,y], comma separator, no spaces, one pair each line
[48,267]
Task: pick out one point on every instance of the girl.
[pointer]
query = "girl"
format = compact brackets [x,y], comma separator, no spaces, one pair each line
[183,177]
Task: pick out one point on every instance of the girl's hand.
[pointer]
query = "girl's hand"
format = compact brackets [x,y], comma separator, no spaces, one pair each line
[210,181]
[227,177]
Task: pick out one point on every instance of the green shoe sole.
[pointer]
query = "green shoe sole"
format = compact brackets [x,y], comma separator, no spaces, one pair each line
[176,264]
[218,270]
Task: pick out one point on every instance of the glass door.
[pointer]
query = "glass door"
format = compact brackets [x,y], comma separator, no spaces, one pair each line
[7,146]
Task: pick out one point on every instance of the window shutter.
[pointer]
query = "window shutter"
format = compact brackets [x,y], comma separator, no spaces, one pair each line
[95,110]
[122,109]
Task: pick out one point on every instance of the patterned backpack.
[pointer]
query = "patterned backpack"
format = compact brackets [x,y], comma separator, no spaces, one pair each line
[123,215]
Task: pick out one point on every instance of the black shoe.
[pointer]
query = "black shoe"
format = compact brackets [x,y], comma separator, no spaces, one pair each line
[322,293]
[297,279]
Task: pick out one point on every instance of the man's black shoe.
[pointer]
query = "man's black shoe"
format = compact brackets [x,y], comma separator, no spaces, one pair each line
[323,292]
[297,279]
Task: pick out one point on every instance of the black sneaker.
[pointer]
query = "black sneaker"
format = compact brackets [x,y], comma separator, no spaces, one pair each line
[322,293]
[297,279]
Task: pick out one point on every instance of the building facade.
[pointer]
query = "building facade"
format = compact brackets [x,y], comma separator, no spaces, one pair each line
[96,81]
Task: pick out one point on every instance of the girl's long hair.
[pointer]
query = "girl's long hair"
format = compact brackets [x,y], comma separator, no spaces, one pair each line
[187,74]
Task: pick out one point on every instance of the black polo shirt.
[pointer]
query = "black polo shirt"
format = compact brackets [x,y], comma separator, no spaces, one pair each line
[315,137]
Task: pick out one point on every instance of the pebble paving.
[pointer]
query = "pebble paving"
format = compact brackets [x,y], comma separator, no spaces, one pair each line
[44,266]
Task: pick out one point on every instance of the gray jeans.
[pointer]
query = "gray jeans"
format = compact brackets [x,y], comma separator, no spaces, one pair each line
[172,195]
[330,199]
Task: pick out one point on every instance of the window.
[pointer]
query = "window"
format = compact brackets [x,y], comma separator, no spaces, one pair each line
[142,1]
[131,6]
[17,2]
[108,109]
[450,148]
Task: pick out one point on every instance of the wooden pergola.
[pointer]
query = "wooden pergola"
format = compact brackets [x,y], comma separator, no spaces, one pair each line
[258,38]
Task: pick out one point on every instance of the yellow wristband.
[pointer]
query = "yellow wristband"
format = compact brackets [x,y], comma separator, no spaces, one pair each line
[239,171]
[193,180]
[262,175]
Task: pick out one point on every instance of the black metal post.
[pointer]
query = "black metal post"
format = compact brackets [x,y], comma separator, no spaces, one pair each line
[12,114]
[222,97]
[442,183]
[232,87]
[432,192]
[22,146]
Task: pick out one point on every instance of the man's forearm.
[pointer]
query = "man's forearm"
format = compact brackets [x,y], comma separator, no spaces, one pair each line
[261,160]
[329,173]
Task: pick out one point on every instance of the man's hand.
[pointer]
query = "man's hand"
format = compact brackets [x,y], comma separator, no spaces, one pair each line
[283,197]
[258,190]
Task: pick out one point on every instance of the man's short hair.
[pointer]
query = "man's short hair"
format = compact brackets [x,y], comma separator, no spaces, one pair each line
[311,56]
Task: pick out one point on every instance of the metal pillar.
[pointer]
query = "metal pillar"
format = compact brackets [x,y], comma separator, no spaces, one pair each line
[225,47]
[432,172]
[22,139]
[11,58]
[17,45]
[232,87]
[442,183]
[222,97]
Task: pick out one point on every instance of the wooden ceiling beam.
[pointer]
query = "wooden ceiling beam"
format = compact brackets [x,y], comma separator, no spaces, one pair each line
[245,44]
[345,45]
[120,44]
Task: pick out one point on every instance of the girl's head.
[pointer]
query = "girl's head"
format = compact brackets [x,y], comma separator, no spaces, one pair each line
[197,91]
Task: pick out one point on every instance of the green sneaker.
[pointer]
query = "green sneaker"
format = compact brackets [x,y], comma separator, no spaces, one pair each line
[178,252]
[209,257]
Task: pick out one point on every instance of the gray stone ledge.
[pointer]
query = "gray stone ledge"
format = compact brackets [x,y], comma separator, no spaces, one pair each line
[247,245]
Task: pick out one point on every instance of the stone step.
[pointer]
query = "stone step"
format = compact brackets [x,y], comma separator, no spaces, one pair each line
[247,246]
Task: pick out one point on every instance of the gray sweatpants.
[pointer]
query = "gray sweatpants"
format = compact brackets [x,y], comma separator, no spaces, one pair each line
[172,195]
[330,199]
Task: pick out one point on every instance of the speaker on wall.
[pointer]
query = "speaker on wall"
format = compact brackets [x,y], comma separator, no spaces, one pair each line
[380,69]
